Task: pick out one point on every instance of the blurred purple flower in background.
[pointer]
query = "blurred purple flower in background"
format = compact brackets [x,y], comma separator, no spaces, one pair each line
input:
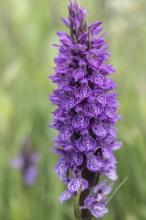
[27,161]
[86,114]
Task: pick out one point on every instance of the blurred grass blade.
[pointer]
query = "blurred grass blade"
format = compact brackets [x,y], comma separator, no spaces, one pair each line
[116,190]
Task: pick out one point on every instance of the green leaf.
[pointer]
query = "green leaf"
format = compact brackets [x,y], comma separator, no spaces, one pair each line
[76,205]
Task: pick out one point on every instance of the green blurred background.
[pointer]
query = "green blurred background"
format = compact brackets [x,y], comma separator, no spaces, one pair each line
[27,32]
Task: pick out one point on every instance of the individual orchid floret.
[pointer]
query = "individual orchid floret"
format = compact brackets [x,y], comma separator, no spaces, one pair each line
[86,114]
[96,200]
[27,161]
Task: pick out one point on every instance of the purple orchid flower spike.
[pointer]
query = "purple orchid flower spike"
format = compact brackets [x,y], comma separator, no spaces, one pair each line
[86,114]
[27,161]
